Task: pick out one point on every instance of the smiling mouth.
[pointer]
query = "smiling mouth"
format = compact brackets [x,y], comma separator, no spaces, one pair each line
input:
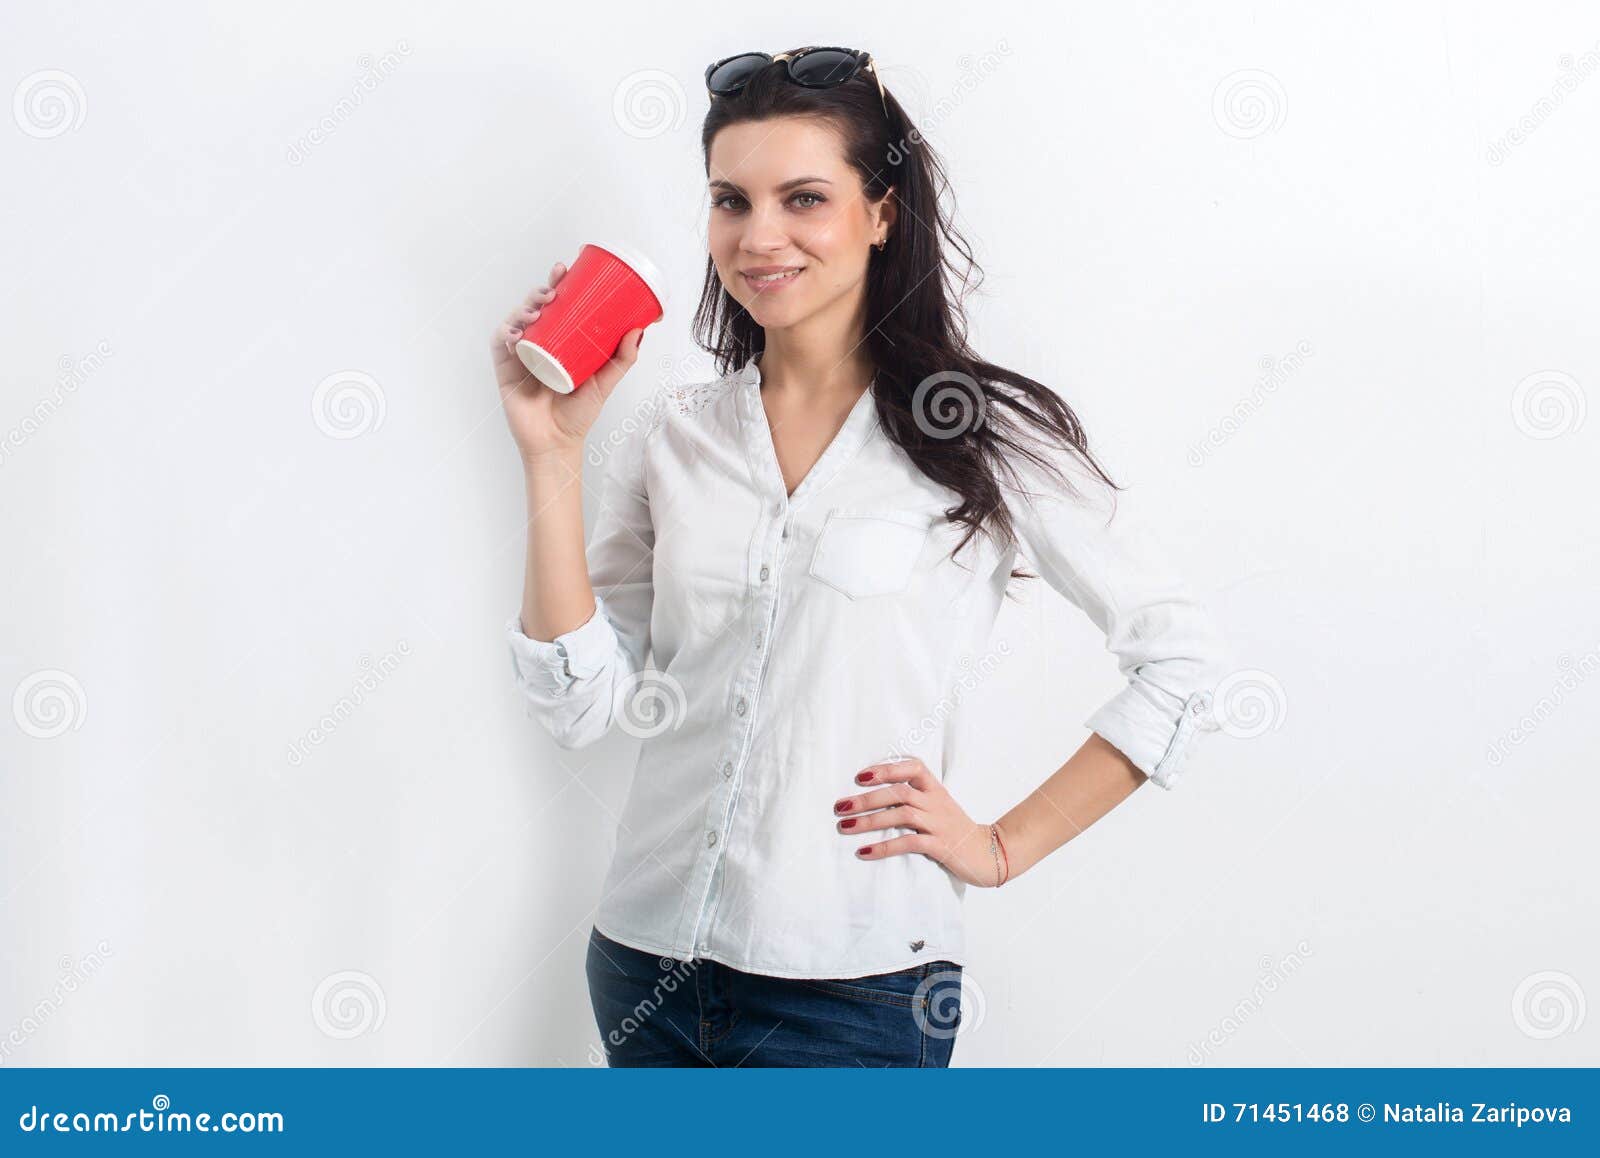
[762,283]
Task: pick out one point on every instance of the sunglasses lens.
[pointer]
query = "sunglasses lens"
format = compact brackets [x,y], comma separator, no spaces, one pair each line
[825,67]
[730,76]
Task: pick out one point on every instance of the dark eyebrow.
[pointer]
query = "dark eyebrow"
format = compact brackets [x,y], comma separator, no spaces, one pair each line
[786,185]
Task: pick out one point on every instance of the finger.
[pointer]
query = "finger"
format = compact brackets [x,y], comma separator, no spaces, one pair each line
[877,798]
[557,272]
[539,297]
[900,816]
[910,770]
[895,846]
[505,335]
[523,316]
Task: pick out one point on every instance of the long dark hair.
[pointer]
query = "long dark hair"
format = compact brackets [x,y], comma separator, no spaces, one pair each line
[927,375]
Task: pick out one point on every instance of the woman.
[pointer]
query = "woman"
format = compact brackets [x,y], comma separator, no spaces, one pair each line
[812,548]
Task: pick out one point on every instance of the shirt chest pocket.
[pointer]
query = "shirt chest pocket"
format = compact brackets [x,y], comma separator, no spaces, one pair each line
[864,554]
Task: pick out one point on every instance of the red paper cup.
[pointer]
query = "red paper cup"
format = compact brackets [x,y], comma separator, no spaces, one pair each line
[609,290]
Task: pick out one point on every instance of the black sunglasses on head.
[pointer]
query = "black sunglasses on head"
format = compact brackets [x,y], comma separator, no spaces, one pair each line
[810,67]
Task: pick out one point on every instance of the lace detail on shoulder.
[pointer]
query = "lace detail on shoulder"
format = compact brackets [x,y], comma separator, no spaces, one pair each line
[689,398]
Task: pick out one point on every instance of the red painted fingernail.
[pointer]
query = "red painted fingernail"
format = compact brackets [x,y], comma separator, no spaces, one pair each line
[863,850]
[851,823]
[863,777]
[843,806]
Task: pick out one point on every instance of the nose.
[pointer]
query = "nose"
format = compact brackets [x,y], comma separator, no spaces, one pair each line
[764,233]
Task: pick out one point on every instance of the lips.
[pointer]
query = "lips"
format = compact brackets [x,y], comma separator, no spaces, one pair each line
[767,283]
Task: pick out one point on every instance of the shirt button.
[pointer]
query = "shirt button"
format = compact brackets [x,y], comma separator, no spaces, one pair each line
[711,839]
[758,641]
[765,571]
[727,769]
[740,706]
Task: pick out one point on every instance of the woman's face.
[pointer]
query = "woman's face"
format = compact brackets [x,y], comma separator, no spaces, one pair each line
[783,196]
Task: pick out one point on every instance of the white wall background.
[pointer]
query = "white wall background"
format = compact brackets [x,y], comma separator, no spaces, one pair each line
[1398,531]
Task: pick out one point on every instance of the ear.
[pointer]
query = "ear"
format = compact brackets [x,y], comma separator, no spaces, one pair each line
[888,208]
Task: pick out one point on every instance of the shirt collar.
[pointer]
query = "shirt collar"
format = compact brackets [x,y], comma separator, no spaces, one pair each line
[859,425]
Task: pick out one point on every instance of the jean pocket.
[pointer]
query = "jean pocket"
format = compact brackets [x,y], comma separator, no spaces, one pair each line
[903,987]
[864,554]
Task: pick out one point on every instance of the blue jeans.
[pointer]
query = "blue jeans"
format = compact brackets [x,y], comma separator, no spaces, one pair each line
[659,1011]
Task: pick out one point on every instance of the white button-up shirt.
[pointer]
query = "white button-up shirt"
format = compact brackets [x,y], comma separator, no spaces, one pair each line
[765,647]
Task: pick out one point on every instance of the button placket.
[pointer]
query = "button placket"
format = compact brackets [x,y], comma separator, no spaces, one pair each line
[766,610]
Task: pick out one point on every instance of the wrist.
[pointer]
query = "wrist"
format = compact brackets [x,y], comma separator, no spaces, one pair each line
[561,463]
[999,854]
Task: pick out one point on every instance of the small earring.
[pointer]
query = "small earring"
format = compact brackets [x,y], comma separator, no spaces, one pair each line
[882,243]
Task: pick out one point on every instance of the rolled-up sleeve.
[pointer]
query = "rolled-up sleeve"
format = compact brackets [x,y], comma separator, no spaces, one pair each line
[573,683]
[1097,550]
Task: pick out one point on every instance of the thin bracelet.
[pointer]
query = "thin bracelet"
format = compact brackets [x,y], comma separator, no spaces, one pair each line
[998,850]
